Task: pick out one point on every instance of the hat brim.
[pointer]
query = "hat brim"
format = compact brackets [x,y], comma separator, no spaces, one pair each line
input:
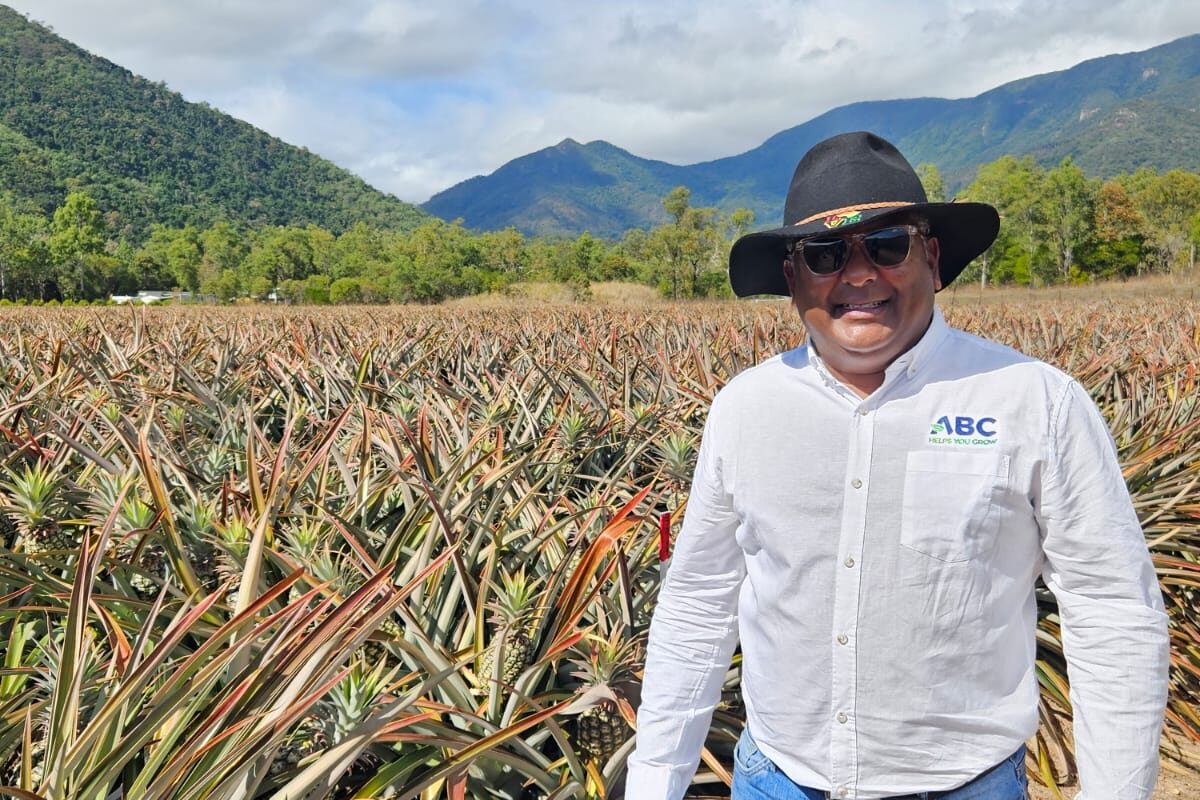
[963,231]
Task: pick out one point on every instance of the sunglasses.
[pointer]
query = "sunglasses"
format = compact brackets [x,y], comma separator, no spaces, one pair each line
[886,248]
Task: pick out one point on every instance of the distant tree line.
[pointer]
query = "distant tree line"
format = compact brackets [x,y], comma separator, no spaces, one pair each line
[1057,226]
[74,255]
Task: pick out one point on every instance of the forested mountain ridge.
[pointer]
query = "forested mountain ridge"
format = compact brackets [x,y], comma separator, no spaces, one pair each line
[565,189]
[70,120]
[1112,115]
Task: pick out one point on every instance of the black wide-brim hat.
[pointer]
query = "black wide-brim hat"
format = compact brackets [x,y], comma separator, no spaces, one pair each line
[845,183]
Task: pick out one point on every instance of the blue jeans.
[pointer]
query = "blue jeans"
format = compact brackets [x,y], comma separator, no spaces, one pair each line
[755,777]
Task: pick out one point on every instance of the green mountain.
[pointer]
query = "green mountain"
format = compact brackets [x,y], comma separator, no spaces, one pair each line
[1112,114]
[71,120]
[567,188]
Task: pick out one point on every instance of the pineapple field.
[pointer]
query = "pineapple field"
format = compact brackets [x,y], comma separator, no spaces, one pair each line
[413,552]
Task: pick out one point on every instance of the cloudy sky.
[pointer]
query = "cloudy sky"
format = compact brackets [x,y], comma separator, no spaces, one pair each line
[416,95]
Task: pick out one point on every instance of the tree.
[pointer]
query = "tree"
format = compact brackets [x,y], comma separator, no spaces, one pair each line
[1117,249]
[1167,204]
[1068,203]
[586,255]
[22,252]
[1013,187]
[224,249]
[690,248]
[150,263]
[280,254]
[345,290]
[677,202]
[931,179]
[742,219]
[504,252]
[77,233]
[171,257]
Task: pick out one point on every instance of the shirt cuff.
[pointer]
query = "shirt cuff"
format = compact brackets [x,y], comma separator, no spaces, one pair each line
[653,782]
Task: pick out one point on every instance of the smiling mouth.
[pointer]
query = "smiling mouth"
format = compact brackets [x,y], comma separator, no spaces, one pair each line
[843,307]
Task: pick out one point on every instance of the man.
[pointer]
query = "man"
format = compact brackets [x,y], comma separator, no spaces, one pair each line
[869,514]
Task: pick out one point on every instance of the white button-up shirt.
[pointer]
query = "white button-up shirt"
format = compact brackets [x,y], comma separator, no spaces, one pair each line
[877,559]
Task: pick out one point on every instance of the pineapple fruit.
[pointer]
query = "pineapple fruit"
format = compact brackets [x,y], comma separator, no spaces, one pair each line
[510,643]
[608,674]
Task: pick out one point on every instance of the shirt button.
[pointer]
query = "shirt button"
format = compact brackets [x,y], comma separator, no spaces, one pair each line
[849,562]
[841,792]
[862,412]
[841,717]
[856,483]
[843,638]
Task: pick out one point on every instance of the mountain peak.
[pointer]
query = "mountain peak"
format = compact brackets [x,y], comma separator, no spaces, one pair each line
[606,190]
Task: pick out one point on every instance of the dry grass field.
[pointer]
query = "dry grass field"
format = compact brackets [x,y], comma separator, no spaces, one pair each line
[412,552]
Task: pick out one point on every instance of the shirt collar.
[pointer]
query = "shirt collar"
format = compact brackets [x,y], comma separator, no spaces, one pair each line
[916,356]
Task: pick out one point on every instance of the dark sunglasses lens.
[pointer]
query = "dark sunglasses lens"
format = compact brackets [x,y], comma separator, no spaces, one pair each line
[824,256]
[887,247]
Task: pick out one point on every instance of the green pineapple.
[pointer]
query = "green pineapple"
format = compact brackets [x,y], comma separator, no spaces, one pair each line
[607,670]
[37,505]
[510,642]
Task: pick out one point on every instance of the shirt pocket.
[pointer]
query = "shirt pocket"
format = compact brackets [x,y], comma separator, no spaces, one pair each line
[947,508]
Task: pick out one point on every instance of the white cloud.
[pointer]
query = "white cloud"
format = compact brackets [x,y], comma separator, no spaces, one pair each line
[415,96]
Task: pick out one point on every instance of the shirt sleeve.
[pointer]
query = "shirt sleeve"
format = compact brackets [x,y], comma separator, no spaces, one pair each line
[1114,629]
[692,635]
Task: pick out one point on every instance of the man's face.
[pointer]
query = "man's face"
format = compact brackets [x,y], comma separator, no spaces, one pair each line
[864,316]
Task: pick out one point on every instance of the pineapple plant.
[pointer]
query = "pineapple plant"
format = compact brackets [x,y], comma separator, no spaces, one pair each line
[233,540]
[215,463]
[510,645]
[597,404]
[352,700]
[196,519]
[572,436]
[607,671]
[37,506]
[677,457]
[307,543]
[131,527]
[303,541]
